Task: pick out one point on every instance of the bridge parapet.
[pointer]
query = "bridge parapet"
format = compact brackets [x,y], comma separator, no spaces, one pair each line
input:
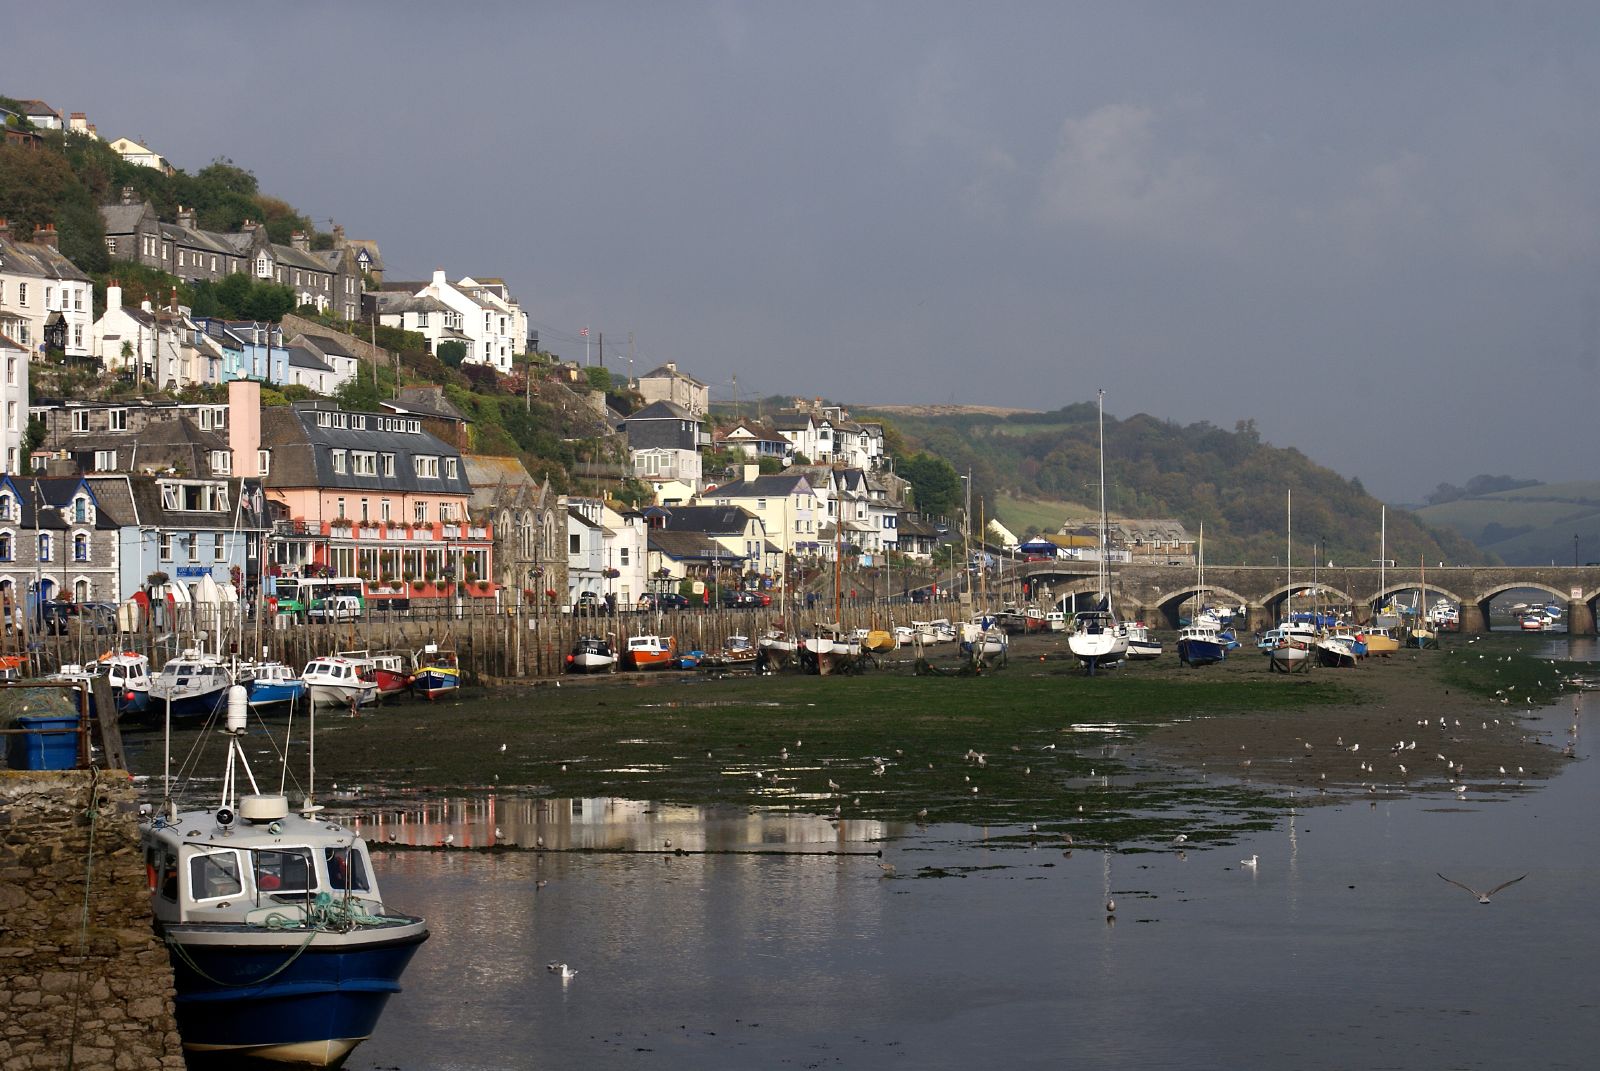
[1154,592]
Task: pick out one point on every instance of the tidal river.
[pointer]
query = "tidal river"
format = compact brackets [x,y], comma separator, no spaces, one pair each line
[1341,948]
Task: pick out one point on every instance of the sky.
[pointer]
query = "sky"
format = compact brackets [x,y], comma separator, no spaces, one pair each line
[1372,228]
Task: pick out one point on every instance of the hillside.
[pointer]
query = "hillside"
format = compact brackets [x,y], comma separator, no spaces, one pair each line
[1528,525]
[1023,462]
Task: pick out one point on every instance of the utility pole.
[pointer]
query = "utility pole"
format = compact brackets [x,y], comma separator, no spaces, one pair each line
[533,348]
[631,384]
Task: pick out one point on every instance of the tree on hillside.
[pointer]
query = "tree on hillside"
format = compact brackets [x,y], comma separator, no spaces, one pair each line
[452,353]
[935,486]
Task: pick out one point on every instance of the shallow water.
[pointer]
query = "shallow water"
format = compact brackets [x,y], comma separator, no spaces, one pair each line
[1343,949]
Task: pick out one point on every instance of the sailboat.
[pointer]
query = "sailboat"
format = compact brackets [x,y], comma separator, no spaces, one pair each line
[1292,651]
[1200,642]
[1095,638]
[1421,635]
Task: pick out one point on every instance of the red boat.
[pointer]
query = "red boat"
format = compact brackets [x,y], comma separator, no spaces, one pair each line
[648,652]
[388,669]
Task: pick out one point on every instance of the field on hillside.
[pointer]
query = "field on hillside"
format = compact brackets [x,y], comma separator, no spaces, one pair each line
[1020,514]
[1530,524]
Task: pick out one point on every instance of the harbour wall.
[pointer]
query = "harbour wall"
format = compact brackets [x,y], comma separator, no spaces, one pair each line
[84,981]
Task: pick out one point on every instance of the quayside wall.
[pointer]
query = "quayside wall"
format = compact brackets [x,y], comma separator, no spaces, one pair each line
[84,981]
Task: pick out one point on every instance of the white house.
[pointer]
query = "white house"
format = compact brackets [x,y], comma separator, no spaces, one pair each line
[161,346]
[135,153]
[485,316]
[625,537]
[46,297]
[13,404]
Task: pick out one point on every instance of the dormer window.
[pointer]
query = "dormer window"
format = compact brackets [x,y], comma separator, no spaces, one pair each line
[8,508]
[81,513]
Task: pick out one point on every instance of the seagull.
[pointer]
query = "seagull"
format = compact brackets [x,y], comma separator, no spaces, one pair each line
[887,868]
[922,814]
[1483,897]
[567,973]
[449,839]
[833,786]
[499,834]
[1180,839]
[1111,907]
[1250,862]
[502,749]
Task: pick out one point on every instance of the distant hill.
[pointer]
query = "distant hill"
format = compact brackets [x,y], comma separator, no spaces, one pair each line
[1528,525]
[1032,469]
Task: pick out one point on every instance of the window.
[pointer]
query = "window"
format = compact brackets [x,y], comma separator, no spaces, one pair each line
[422,319]
[194,547]
[164,548]
[337,458]
[264,461]
[574,544]
[363,463]
[622,557]
[11,371]
[11,416]
[420,512]
[6,547]
[219,549]
[427,466]
[22,294]
[280,871]
[77,335]
[340,507]
[80,547]
[118,419]
[214,875]
[44,546]
[366,511]
[761,504]
[221,462]
[447,512]
[80,510]
[452,468]
[388,464]
[345,870]
[80,420]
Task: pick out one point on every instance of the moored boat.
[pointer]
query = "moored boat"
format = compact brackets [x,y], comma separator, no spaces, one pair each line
[1200,643]
[128,673]
[1142,647]
[435,671]
[282,948]
[389,670]
[1055,621]
[1095,639]
[592,654]
[270,683]
[828,649]
[649,652]
[341,682]
[193,685]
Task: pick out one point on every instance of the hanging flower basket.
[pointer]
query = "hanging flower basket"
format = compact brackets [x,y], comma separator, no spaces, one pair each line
[156,579]
[550,593]
[611,574]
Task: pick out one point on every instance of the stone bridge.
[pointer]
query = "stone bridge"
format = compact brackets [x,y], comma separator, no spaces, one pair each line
[1154,593]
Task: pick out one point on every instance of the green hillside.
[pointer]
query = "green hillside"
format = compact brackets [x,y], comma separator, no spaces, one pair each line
[1022,463]
[1529,525]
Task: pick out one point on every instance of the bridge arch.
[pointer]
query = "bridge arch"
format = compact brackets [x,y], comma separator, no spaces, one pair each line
[1168,603]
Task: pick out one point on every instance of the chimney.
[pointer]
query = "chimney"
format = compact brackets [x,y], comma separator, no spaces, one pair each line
[113,295]
[338,236]
[301,241]
[46,235]
[244,426]
[751,472]
[439,278]
[186,217]
[672,366]
[129,197]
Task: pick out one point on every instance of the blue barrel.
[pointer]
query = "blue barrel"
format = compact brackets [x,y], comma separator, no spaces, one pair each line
[41,750]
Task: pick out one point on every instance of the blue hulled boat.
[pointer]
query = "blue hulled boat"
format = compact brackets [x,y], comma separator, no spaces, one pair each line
[1201,644]
[282,948]
[271,683]
[193,685]
[436,672]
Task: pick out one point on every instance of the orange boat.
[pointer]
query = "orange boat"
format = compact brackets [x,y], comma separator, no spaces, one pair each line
[648,652]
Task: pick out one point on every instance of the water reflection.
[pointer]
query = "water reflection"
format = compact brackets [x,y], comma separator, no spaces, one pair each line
[1341,949]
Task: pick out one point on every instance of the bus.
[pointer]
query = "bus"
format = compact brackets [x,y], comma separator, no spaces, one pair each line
[306,595]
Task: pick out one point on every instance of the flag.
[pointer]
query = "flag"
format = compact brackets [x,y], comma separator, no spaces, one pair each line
[583,332]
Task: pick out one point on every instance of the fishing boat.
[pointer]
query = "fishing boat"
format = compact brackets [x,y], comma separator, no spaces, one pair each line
[435,671]
[282,948]
[1200,643]
[649,652]
[128,674]
[1381,640]
[390,670]
[1291,653]
[1336,651]
[592,654]
[983,638]
[775,649]
[737,650]
[1095,638]
[876,640]
[1142,647]
[193,685]
[270,683]
[1012,619]
[336,681]
[1055,621]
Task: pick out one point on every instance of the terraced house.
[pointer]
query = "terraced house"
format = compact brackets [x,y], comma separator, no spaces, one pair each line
[44,298]
[370,495]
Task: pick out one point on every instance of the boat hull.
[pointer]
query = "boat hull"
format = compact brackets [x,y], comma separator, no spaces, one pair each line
[1289,658]
[265,695]
[434,683]
[1193,652]
[272,996]
[342,695]
[200,705]
[648,660]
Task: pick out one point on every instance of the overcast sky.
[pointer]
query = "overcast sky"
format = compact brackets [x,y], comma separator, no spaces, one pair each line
[1372,228]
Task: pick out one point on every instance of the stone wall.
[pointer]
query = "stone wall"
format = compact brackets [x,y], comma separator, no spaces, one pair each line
[98,996]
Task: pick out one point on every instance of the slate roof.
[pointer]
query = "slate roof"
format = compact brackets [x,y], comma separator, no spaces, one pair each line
[688,546]
[427,401]
[391,303]
[37,259]
[712,520]
[499,481]
[301,453]
[57,491]
[150,509]
[664,372]
[663,410]
[772,485]
[121,219]
[329,346]
[300,357]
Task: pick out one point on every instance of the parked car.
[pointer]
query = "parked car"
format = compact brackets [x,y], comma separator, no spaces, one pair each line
[663,600]
[336,608]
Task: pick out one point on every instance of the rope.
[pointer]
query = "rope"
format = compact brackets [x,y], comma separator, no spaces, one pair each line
[323,914]
[93,814]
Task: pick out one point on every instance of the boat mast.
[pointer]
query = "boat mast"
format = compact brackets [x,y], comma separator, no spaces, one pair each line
[1288,564]
[1101,579]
